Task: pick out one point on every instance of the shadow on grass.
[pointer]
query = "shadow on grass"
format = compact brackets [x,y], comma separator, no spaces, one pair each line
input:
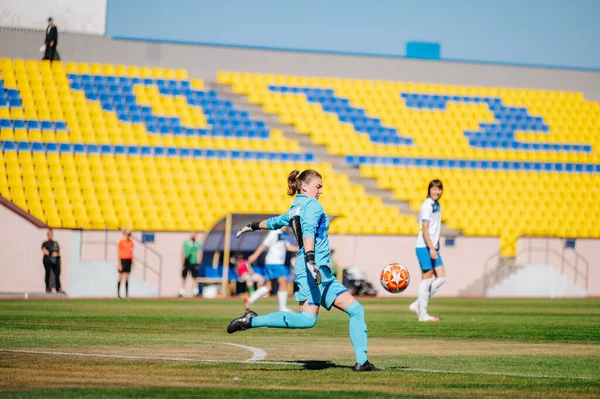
[326,364]
[320,365]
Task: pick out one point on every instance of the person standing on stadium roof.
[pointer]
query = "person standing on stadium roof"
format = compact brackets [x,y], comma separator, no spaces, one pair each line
[51,42]
[317,286]
[428,251]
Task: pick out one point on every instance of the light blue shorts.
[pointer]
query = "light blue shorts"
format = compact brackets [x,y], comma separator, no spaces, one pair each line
[425,260]
[323,294]
[276,271]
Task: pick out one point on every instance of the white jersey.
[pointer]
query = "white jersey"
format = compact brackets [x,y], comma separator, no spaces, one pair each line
[277,245]
[432,213]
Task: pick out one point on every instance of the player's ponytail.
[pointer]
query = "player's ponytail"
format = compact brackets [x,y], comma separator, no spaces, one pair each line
[296,179]
[293,183]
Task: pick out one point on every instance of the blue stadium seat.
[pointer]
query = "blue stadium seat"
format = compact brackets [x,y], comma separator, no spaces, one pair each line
[65,147]
[93,149]
[23,146]
[185,152]
[198,153]
[145,151]
[9,146]
[37,147]
[47,125]
[31,124]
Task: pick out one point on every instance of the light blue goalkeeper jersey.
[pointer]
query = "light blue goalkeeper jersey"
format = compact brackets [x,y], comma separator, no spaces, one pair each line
[314,223]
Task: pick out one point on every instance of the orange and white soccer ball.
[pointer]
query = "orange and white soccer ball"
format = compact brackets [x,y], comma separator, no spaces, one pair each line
[394,278]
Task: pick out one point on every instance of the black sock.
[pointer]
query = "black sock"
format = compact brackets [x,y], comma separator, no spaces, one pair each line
[119,289]
[127,289]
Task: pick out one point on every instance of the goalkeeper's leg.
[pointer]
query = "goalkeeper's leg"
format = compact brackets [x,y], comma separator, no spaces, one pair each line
[307,318]
[358,330]
[285,320]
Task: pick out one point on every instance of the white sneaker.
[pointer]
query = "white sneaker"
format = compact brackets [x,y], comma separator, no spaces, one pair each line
[428,318]
[414,307]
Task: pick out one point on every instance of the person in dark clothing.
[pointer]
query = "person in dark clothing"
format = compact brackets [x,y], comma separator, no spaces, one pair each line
[51,261]
[51,42]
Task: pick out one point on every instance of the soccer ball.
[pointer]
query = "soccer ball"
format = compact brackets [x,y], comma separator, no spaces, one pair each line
[394,278]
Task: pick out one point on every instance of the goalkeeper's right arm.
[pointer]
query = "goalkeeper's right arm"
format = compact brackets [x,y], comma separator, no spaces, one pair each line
[273,223]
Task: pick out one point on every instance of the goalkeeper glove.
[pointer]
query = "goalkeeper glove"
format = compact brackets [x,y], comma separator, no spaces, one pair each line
[249,227]
[312,266]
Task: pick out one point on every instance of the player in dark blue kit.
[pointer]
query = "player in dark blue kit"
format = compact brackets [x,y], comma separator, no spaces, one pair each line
[317,286]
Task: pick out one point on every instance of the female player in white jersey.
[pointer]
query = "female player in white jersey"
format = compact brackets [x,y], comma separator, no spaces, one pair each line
[316,286]
[427,248]
[275,268]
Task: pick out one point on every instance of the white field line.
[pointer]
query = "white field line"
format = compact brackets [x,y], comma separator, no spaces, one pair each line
[258,355]
[497,373]
[261,352]
[133,357]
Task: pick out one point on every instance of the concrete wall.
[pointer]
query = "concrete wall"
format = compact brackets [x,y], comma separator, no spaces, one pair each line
[21,268]
[75,16]
[541,32]
[205,61]
[537,281]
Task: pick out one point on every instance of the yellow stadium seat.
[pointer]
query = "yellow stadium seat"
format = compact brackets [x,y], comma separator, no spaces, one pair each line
[197,84]
[181,74]
[121,70]
[146,72]
[7,134]
[133,71]
[108,69]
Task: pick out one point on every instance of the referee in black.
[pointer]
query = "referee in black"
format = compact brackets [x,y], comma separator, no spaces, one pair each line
[51,261]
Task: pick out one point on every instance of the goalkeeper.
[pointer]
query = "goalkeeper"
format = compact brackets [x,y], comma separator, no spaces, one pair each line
[317,286]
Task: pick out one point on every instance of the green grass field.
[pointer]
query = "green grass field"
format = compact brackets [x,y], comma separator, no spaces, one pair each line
[179,348]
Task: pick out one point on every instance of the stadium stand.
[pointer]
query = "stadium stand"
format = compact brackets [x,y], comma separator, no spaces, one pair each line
[514,161]
[106,146]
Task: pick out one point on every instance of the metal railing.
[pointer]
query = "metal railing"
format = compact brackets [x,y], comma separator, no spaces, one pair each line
[147,251]
[580,266]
